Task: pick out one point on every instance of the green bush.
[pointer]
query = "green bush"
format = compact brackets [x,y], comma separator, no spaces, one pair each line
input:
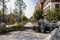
[53,15]
[23,23]
[17,27]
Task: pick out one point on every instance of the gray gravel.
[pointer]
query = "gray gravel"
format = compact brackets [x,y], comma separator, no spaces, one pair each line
[23,35]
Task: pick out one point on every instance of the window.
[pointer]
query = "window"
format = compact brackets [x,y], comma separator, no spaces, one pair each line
[57,6]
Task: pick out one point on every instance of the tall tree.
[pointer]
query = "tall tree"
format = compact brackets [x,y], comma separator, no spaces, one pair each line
[21,6]
[4,7]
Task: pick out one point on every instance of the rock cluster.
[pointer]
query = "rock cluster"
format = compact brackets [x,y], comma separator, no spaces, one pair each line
[55,35]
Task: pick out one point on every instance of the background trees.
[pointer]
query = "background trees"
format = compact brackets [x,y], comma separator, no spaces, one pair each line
[12,15]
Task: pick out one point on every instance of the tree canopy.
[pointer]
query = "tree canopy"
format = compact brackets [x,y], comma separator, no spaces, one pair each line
[38,14]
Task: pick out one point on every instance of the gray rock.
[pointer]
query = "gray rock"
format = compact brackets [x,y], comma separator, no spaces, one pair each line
[55,35]
[2,26]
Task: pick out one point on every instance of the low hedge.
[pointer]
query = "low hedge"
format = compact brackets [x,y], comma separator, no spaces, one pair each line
[16,27]
[19,26]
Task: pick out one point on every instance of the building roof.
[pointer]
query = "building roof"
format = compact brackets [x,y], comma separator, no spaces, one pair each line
[41,0]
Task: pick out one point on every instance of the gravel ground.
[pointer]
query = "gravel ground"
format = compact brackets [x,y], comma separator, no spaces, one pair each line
[23,35]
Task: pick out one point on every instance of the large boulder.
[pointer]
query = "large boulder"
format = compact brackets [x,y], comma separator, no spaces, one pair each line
[45,25]
[55,35]
[58,23]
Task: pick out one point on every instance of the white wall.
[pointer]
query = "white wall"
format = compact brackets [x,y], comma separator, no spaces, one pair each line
[53,5]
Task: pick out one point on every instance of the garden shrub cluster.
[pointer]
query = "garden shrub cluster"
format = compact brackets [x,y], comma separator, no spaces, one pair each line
[17,27]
